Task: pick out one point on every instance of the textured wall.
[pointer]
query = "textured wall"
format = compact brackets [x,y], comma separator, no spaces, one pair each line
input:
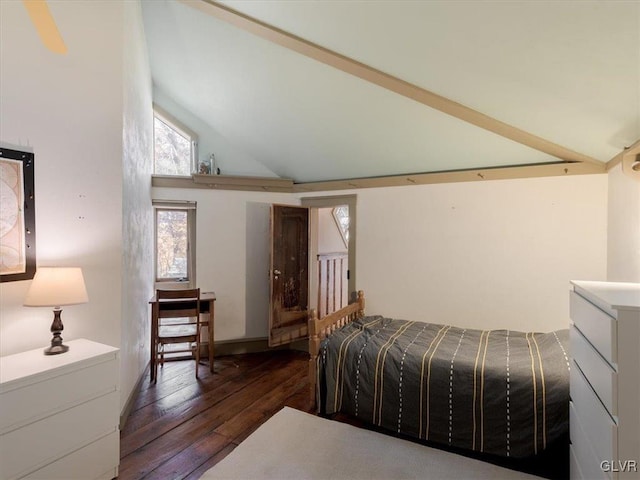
[137,225]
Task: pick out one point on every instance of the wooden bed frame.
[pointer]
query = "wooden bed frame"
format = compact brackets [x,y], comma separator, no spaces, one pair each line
[319,328]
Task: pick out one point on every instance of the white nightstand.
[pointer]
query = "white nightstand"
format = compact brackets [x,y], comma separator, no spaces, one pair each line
[59,415]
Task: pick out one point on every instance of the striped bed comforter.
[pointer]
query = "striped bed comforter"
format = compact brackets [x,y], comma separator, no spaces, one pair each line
[499,392]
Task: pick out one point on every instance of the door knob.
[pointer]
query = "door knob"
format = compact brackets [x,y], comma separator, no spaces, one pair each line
[277,272]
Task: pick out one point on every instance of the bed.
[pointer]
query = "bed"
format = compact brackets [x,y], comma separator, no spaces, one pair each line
[498,392]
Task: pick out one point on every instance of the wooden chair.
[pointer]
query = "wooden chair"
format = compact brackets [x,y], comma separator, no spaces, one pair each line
[178,322]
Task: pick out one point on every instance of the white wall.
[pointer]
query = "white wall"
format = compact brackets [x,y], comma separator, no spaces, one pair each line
[68,108]
[484,255]
[495,254]
[624,227]
[233,255]
[137,225]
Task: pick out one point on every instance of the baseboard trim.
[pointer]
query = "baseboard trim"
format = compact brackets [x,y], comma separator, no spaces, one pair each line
[128,406]
[251,345]
[242,345]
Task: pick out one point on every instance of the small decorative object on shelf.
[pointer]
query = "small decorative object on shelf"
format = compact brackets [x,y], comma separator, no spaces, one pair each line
[215,170]
[204,168]
[208,166]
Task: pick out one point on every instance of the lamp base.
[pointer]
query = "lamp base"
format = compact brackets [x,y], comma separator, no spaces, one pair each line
[56,328]
[56,349]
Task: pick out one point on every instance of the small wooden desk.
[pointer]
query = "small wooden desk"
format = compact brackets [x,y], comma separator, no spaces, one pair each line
[207,301]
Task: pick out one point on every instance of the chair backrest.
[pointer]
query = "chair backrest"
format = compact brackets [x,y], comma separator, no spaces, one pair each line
[186,304]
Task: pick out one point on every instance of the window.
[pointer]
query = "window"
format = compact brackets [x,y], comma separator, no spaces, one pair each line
[341,215]
[175,241]
[175,146]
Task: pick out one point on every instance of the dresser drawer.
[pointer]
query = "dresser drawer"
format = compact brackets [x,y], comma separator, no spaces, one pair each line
[94,461]
[599,429]
[32,402]
[38,444]
[583,463]
[597,326]
[602,377]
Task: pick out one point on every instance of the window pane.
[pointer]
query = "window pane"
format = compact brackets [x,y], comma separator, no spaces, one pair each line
[342,216]
[172,150]
[172,233]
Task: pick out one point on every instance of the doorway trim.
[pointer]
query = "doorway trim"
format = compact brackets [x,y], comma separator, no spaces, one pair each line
[335,201]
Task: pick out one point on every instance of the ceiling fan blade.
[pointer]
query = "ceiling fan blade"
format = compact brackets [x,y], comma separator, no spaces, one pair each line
[45,25]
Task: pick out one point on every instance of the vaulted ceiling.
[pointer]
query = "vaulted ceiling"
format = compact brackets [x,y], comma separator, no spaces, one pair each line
[565,74]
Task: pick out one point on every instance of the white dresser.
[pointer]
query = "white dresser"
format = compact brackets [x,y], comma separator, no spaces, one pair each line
[59,414]
[605,380]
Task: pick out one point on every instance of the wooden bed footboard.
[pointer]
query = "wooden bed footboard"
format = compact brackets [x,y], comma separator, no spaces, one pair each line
[319,328]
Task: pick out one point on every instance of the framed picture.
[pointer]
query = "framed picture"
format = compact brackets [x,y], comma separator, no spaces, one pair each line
[17,216]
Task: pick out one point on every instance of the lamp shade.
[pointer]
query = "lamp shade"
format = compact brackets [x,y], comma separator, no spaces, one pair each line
[56,286]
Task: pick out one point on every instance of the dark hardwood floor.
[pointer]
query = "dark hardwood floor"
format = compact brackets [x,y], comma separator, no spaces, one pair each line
[180,426]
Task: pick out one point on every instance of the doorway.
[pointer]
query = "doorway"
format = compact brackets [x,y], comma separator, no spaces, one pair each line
[332,257]
[301,276]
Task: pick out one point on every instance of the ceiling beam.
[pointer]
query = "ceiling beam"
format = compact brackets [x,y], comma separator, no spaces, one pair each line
[629,152]
[384,80]
[275,184]
[474,175]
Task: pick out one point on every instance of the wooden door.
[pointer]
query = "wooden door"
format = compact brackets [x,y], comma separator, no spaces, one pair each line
[289,283]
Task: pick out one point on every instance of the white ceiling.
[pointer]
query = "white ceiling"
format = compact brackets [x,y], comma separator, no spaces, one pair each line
[567,71]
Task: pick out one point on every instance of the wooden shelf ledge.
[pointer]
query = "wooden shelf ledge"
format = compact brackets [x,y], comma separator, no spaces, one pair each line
[224,182]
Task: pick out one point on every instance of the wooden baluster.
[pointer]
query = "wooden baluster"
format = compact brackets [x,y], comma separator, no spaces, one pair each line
[361,302]
[314,346]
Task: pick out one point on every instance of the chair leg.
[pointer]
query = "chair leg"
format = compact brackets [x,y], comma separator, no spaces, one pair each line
[155,366]
[197,358]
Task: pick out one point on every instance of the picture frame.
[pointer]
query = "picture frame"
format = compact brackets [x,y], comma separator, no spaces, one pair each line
[17,215]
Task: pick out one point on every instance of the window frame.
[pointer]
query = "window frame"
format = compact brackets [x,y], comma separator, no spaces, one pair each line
[182,129]
[190,208]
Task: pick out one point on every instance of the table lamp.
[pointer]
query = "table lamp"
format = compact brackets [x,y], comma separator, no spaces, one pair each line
[55,287]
